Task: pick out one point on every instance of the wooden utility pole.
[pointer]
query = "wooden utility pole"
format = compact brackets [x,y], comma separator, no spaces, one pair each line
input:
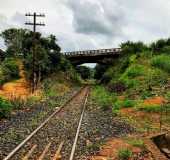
[34,24]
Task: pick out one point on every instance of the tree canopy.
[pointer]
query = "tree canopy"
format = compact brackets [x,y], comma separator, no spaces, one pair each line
[23,43]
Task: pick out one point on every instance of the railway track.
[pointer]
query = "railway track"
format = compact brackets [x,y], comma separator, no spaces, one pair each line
[57,136]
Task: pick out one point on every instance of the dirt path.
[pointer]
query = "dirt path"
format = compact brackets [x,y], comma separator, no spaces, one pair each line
[18,88]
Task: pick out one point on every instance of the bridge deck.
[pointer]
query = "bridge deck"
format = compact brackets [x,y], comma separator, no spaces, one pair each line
[93,52]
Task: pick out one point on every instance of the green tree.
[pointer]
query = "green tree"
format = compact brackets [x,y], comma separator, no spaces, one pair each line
[99,71]
[84,71]
[133,47]
[14,39]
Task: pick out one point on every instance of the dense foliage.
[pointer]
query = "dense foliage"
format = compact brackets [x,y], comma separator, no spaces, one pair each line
[5,107]
[24,44]
[85,72]
[162,62]
[25,47]
[141,72]
[9,70]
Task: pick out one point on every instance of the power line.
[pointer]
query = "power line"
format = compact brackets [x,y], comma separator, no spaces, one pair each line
[34,24]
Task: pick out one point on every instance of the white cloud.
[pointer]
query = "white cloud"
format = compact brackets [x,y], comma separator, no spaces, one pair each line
[88,24]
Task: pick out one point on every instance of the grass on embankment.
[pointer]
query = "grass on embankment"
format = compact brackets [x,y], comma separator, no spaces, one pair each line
[132,82]
[55,86]
[122,147]
[141,114]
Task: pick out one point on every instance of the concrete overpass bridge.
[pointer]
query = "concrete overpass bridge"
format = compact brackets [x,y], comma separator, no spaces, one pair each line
[102,56]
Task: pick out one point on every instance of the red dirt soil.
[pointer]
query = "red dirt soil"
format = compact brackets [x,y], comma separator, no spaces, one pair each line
[18,88]
[155,101]
[111,148]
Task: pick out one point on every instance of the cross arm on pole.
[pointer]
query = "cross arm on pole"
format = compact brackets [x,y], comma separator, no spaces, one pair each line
[37,24]
[37,15]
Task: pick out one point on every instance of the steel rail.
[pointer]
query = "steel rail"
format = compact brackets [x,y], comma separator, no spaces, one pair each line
[14,151]
[78,128]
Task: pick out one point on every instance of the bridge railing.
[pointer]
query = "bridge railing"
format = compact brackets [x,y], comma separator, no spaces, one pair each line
[94,52]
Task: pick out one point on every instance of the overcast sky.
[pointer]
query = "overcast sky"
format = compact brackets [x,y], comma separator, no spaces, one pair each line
[92,24]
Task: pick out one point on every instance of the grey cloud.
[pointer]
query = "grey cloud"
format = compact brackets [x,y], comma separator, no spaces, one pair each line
[95,18]
[74,42]
[88,24]
[15,21]
[3,22]
[19,18]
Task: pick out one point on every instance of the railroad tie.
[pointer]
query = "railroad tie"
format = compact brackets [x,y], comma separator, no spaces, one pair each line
[57,155]
[44,152]
[26,157]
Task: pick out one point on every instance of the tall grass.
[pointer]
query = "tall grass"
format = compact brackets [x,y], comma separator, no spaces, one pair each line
[103,98]
[106,100]
[124,154]
[134,71]
[162,62]
[126,103]
[5,108]
[149,107]
[128,77]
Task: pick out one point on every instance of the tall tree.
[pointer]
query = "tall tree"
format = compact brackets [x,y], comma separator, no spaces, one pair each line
[14,39]
[23,43]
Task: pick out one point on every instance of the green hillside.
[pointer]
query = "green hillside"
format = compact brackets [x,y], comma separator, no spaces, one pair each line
[138,82]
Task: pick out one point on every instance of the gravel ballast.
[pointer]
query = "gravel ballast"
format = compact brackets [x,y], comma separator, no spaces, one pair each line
[62,127]
[23,122]
[97,127]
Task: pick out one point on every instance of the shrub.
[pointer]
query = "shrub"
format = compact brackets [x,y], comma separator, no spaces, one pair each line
[134,71]
[104,98]
[2,77]
[146,94]
[117,105]
[136,142]
[124,154]
[85,72]
[149,107]
[123,104]
[128,103]
[128,76]
[162,62]
[130,83]
[156,77]
[99,71]
[106,78]
[115,111]
[133,47]
[10,68]
[168,95]
[166,50]
[5,107]
[117,87]
[132,59]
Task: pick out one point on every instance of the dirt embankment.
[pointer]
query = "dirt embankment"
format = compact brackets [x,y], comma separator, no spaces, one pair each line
[17,88]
